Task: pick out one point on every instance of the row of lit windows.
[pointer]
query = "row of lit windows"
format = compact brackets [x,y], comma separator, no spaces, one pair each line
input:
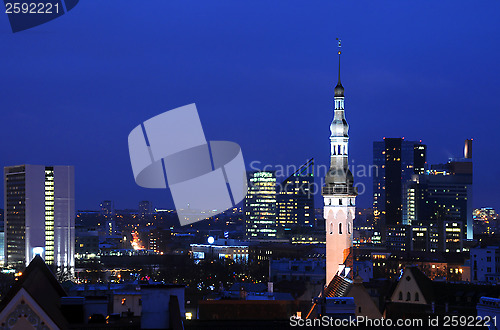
[49,216]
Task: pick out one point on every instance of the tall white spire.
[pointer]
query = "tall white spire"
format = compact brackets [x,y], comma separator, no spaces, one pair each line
[339,178]
[338,192]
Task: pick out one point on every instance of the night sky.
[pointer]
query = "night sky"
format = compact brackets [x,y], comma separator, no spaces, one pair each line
[261,73]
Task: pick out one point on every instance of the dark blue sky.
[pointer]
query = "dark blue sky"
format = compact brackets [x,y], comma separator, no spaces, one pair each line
[261,73]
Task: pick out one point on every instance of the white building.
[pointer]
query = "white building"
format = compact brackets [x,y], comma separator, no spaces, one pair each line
[339,194]
[485,264]
[40,216]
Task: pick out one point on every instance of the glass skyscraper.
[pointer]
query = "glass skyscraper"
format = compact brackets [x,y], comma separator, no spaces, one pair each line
[442,204]
[294,200]
[260,205]
[397,161]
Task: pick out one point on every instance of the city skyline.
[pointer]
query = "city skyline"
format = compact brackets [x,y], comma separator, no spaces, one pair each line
[256,165]
[271,86]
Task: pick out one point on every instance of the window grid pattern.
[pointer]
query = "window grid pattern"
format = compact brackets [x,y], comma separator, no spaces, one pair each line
[49,215]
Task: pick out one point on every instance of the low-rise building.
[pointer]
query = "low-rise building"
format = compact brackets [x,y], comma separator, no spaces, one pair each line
[417,296]
[86,244]
[312,271]
[485,264]
[220,249]
[488,311]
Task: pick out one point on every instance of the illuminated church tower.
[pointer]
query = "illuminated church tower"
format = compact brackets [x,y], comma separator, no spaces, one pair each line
[339,194]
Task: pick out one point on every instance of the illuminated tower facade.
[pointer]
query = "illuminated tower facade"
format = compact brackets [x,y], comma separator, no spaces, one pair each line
[339,193]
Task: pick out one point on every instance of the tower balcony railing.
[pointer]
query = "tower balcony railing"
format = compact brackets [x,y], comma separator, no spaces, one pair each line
[339,190]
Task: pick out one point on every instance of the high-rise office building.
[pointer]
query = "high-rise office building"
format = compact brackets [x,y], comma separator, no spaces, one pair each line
[107,215]
[2,249]
[396,161]
[260,206]
[440,204]
[339,194]
[107,208]
[145,211]
[40,215]
[295,200]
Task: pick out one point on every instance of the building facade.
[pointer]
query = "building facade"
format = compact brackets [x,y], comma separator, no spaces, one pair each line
[260,206]
[295,200]
[396,161]
[108,220]
[439,206]
[220,249]
[308,270]
[145,212]
[485,264]
[86,244]
[40,215]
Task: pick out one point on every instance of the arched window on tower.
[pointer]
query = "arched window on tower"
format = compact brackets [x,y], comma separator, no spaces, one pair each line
[408,296]
[340,228]
[348,228]
[331,228]
[400,295]
[417,298]
[340,152]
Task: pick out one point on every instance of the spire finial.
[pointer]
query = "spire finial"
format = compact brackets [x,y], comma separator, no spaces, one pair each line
[339,52]
[339,89]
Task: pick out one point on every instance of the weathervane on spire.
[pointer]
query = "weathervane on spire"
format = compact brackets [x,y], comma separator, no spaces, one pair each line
[339,84]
